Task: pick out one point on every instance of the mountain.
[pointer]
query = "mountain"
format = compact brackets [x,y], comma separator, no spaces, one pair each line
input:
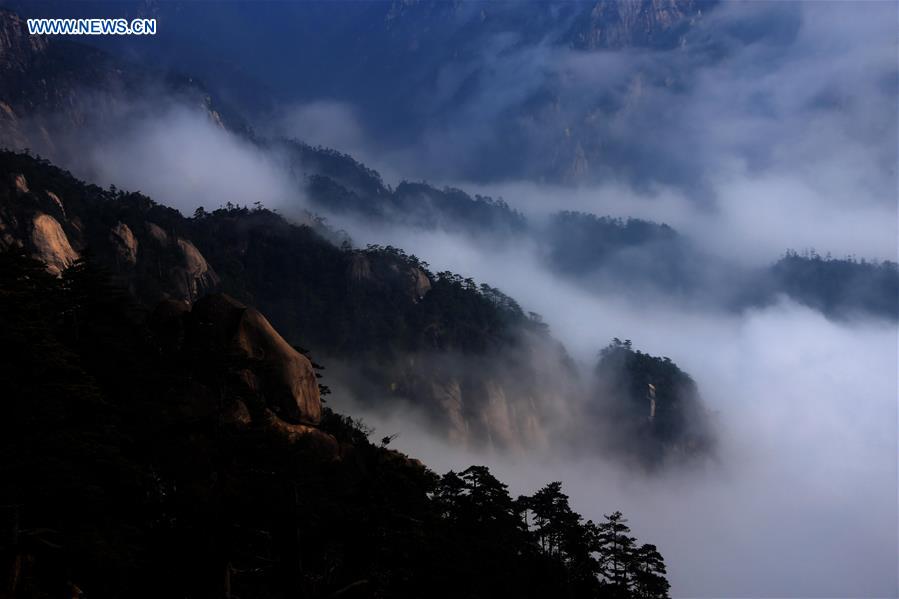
[838,287]
[393,332]
[425,69]
[630,256]
[646,23]
[51,88]
[605,252]
[171,377]
[189,454]
[467,355]
[370,42]
[654,405]
[452,349]
[338,184]
[433,340]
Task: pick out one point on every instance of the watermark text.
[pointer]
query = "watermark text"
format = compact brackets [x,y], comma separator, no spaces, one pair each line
[92,26]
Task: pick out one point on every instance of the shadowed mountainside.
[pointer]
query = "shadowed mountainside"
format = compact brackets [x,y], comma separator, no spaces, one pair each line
[190,455]
[467,355]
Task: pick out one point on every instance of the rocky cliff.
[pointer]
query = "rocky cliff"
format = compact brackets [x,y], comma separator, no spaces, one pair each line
[467,356]
[464,353]
[148,463]
[264,383]
[57,228]
[51,87]
[635,23]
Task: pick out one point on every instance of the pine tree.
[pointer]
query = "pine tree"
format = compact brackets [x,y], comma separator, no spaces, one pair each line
[648,573]
[616,550]
[552,515]
[488,498]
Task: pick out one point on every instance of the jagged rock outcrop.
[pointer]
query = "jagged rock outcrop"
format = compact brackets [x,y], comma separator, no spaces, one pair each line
[157,233]
[193,277]
[153,263]
[273,368]
[511,402]
[18,49]
[453,351]
[630,23]
[651,409]
[421,284]
[125,243]
[388,272]
[273,387]
[57,201]
[51,246]
[20,183]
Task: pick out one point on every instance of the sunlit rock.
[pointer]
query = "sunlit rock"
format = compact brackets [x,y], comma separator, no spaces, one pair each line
[125,243]
[51,245]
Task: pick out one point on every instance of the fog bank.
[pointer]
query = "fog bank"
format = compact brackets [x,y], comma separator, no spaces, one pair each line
[802,501]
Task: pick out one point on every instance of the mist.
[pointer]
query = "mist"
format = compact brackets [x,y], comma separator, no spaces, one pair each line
[325,122]
[764,88]
[211,166]
[788,141]
[801,499]
[171,148]
[754,220]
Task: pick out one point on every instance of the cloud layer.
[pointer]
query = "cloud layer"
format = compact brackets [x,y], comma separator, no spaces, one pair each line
[775,129]
[802,502]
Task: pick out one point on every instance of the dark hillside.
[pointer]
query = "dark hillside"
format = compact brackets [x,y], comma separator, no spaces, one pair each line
[141,463]
[374,307]
[654,405]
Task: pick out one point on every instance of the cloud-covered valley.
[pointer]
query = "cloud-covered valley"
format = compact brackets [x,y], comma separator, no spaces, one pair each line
[773,128]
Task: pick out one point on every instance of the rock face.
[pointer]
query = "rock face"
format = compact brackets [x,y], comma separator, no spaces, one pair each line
[56,229]
[125,242]
[269,366]
[449,398]
[157,233]
[194,276]
[19,52]
[485,394]
[18,49]
[51,245]
[20,183]
[488,414]
[36,221]
[184,272]
[510,402]
[50,88]
[258,380]
[626,23]
[421,284]
[411,280]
